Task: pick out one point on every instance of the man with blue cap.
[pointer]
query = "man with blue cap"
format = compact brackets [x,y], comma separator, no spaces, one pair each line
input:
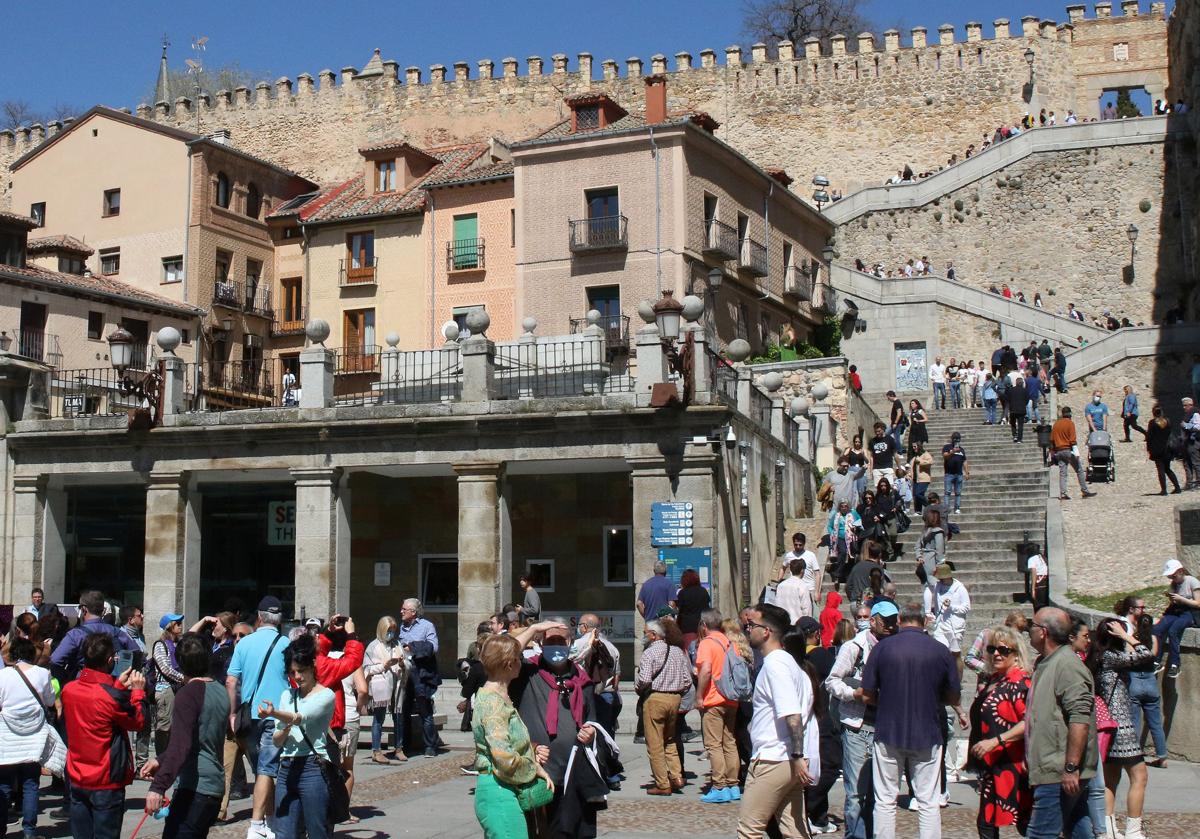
[167,678]
[844,683]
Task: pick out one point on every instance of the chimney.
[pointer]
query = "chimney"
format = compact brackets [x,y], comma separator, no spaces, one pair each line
[656,99]
[222,136]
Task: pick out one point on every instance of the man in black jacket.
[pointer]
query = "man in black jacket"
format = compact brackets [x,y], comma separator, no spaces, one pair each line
[1018,399]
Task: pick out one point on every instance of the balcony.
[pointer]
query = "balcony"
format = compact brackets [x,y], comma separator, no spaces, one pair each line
[361,275]
[257,301]
[616,329]
[827,299]
[720,239]
[226,293]
[464,255]
[289,322]
[798,283]
[37,345]
[364,359]
[602,233]
[752,258]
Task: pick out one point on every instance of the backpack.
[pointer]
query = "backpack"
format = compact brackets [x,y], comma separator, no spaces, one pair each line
[735,683]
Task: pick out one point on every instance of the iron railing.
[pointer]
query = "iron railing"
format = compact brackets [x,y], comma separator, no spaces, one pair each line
[720,239]
[289,323]
[827,299]
[601,233]
[38,345]
[753,257]
[246,383]
[348,275]
[798,283]
[723,378]
[407,378]
[464,255]
[354,360]
[792,431]
[227,293]
[551,368]
[761,406]
[257,300]
[616,329]
[93,392]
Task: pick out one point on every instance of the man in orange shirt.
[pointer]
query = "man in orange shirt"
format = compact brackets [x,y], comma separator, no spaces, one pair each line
[1062,444]
[717,714]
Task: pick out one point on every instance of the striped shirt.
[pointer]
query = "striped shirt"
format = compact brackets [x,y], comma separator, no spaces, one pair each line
[665,668]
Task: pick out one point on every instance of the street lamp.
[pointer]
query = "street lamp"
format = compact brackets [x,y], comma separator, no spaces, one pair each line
[820,195]
[1132,232]
[667,313]
[1029,56]
[715,277]
[147,390]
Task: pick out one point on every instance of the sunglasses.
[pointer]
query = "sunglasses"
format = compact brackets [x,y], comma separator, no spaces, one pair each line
[1005,651]
[748,625]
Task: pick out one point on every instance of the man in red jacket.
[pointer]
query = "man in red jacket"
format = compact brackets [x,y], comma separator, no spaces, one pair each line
[100,710]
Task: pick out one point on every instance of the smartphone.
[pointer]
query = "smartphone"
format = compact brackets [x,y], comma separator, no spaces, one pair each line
[139,660]
[123,662]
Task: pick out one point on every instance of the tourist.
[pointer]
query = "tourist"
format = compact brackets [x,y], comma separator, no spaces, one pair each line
[785,750]
[1062,445]
[1033,392]
[1183,605]
[931,547]
[601,660]
[977,659]
[1096,412]
[718,712]
[257,671]
[855,380]
[418,641]
[1191,441]
[302,716]
[919,430]
[937,377]
[1144,695]
[957,469]
[99,710]
[909,677]
[878,513]
[505,758]
[830,617]
[857,718]
[692,599]
[195,753]
[883,455]
[1059,373]
[386,670]
[997,739]
[1158,449]
[1115,651]
[1017,400]
[67,659]
[897,420]
[663,675]
[812,568]
[952,378]
[1060,734]
[132,621]
[947,604]
[233,749]
[167,678]
[843,530]
[990,398]
[868,576]
[338,667]
[26,704]
[655,593]
[922,464]
[531,607]
[842,484]
[1129,412]
[794,593]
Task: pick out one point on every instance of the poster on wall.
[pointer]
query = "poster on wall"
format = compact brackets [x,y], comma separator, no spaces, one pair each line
[679,560]
[912,367]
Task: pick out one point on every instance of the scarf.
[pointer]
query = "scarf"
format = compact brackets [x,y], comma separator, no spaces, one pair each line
[574,685]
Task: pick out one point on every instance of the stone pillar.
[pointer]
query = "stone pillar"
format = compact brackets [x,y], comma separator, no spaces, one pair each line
[758,52]
[825,454]
[174,384]
[633,68]
[192,553]
[462,71]
[1029,26]
[166,501]
[1076,12]
[54,544]
[658,63]
[412,76]
[527,358]
[509,66]
[701,366]
[316,540]
[608,67]
[26,573]
[708,58]
[1047,29]
[1129,8]
[891,40]
[803,437]
[919,34]
[733,56]
[652,363]
[946,34]
[778,420]
[812,48]
[866,43]
[317,366]
[480,584]
[534,64]
[837,44]
[584,60]
[974,31]
[437,74]
[478,369]
[786,50]
[745,381]
[559,62]
[1001,27]
[487,68]
[683,61]
[1104,9]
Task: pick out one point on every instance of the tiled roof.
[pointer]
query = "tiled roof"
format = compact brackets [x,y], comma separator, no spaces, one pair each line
[292,205]
[629,122]
[476,174]
[50,244]
[349,200]
[102,286]
[17,218]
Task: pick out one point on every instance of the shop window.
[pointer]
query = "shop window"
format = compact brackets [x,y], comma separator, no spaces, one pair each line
[618,555]
[541,574]
[439,581]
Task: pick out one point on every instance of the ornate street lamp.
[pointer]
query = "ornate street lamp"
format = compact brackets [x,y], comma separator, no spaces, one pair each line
[147,390]
[667,313]
[820,194]
[1029,56]
[715,277]
[1132,232]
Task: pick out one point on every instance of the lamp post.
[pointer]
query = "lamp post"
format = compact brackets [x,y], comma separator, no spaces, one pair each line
[1132,232]
[1029,56]
[820,194]
[148,390]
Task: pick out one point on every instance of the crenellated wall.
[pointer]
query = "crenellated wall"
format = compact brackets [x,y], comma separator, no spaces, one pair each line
[856,111]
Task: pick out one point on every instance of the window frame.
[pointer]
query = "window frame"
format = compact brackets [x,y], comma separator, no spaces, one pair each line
[166,274]
[366,264]
[223,257]
[604,534]
[389,168]
[423,562]
[547,561]
[110,208]
[223,185]
[99,334]
[108,253]
[254,201]
[38,215]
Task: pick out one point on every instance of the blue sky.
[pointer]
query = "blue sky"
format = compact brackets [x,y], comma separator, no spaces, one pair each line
[68,52]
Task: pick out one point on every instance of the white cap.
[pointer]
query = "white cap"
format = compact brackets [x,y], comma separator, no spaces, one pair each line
[1171,566]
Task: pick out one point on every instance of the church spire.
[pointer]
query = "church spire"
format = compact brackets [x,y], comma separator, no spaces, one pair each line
[162,88]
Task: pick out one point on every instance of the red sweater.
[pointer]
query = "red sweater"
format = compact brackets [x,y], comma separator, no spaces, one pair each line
[331,671]
[98,712]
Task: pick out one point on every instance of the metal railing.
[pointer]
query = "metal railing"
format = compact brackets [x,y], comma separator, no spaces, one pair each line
[792,432]
[93,392]
[354,360]
[245,383]
[827,298]
[723,378]
[761,406]
[616,329]
[720,239]
[753,257]
[408,378]
[798,283]
[464,255]
[348,275]
[289,323]
[257,300]
[600,233]
[227,293]
[551,368]
[38,345]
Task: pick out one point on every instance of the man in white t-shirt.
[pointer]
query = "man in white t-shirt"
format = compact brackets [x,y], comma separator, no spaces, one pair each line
[937,376]
[794,595]
[812,568]
[784,740]
[1038,581]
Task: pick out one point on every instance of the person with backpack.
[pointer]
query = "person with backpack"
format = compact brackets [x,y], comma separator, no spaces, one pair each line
[716,659]
[67,660]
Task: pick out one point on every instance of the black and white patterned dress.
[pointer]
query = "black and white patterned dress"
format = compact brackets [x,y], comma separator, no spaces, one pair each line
[1114,688]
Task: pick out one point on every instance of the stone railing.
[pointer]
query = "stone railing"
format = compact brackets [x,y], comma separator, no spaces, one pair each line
[1132,342]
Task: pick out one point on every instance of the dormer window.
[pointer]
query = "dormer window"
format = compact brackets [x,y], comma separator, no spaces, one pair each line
[590,111]
[385,175]
[587,118]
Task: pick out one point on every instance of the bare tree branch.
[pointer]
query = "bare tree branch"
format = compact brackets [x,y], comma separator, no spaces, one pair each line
[17,112]
[772,21]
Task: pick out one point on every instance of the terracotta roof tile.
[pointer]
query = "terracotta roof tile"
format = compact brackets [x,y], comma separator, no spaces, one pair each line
[475,174]
[101,285]
[17,218]
[49,244]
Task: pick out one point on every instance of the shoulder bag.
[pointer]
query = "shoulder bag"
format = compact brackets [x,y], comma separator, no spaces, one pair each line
[54,751]
[333,775]
[245,711]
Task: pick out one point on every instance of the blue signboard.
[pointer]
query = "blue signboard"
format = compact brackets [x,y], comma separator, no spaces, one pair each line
[679,560]
[671,524]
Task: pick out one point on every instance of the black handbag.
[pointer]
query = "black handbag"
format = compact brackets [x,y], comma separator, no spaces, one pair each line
[245,712]
[903,522]
[332,774]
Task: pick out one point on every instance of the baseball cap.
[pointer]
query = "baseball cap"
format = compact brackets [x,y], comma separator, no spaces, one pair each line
[943,572]
[313,622]
[168,619]
[808,625]
[1171,566]
[271,604]
[885,609]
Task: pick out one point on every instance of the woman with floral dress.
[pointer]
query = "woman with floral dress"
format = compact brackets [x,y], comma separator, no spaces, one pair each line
[997,740]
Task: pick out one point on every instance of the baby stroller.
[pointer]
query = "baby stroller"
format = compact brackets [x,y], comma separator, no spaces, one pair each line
[1102,466]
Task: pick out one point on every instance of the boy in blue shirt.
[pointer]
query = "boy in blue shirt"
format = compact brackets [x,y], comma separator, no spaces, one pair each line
[1097,413]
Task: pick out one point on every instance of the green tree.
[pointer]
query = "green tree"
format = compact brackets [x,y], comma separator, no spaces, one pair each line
[1125,106]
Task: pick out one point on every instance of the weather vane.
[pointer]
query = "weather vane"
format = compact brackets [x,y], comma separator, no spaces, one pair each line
[195,70]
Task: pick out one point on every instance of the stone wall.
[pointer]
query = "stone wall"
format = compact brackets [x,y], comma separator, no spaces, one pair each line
[799,377]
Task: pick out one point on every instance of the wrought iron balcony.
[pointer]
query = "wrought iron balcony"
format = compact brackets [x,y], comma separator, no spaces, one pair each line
[616,328]
[226,293]
[798,283]
[41,346]
[363,274]
[602,233]
[464,255]
[361,359]
[753,258]
[827,299]
[289,323]
[257,301]
[720,239]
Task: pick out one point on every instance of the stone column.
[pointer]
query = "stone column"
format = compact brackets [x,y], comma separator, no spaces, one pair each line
[174,384]
[28,498]
[166,502]
[192,553]
[479,369]
[822,435]
[652,363]
[480,584]
[701,366]
[317,365]
[316,540]
[54,544]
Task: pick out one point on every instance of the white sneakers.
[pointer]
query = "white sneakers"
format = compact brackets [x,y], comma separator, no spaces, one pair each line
[259,830]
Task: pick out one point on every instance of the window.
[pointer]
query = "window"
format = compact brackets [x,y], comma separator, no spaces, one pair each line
[292,308]
[253,275]
[110,261]
[587,117]
[602,203]
[464,251]
[541,574]
[38,213]
[224,193]
[290,364]
[172,269]
[743,322]
[360,330]
[618,555]
[253,201]
[385,175]
[112,202]
[710,207]
[438,583]
[95,326]
[743,227]
[223,261]
[185,336]
[12,249]
[606,300]
[71,265]
[512,228]
[360,249]
[787,260]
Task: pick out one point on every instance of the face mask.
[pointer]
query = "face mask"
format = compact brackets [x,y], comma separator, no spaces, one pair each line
[863,624]
[1096,399]
[555,654]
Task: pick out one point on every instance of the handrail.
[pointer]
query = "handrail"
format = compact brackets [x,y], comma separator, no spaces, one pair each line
[1131,342]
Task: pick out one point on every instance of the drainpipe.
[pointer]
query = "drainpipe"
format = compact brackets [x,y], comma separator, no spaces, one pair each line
[657,215]
[433,335]
[767,235]
[308,312]
[187,274]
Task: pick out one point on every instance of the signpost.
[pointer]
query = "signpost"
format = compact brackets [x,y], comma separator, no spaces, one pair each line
[671,524]
[678,560]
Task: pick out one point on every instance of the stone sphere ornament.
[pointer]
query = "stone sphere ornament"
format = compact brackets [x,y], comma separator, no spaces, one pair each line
[317,331]
[738,350]
[819,391]
[772,381]
[693,308]
[529,324]
[168,339]
[593,317]
[800,407]
[392,339]
[478,321]
[646,311]
[450,330]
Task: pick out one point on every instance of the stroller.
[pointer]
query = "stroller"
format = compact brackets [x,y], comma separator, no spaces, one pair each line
[1102,466]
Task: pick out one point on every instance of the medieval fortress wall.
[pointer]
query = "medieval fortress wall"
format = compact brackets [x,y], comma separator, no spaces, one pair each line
[855,111]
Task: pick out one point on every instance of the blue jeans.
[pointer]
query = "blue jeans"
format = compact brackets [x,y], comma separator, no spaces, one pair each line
[952,484]
[1145,699]
[989,405]
[857,781]
[956,394]
[423,706]
[377,717]
[939,390]
[301,799]
[1056,814]
[1031,409]
[23,776]
[1095,804]
[263,753]
[1171,626]
[97,813]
